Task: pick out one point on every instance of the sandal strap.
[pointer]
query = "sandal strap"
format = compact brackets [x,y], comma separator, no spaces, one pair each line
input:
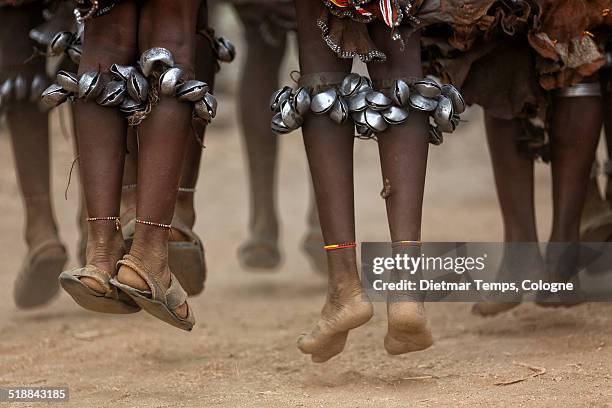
[136,265]
[50,243]
[93,272]
[174,296]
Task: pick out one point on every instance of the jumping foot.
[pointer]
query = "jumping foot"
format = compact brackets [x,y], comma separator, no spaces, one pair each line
[156,267]
[36,283]
[407,330]
[515,268]
[104,249]
[313,248]
[344,310]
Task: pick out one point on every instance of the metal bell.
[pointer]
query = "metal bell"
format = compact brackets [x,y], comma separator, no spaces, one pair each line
[68,81]
[90,85]
[377,100]
[375,121]
[435,136]
[211,104]
[366,85]
[323,101]
[122,71]
[41,37]
[21,88]
[364,131]
[395,115]
[290,117]
[137,86]
[455,120]
[350,84]
[443,114]
[455,96]
[401,93]
[6,90]
[60,42]
[37,87]
[155,56]
[74,53]
[278,126]
[357,102]
[113,94]
[419,102]
[191,91]
[279,96]
[428,88]
[226,51]
[54,95]
[129,106]
[201,110]
[169,80]
[359,118]
[301,101]
[339,112]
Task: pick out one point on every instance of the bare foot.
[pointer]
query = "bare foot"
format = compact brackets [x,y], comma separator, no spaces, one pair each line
[344,310]
[515,268]
[313,247]
[408,330]
[157,263]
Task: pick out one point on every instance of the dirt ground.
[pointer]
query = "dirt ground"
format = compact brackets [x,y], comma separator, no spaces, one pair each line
[242,352]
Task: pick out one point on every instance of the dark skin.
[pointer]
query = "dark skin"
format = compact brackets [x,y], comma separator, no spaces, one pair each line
[119,37]
[259,78]
[329,147]
[184,209]
[28,125]
[573,145]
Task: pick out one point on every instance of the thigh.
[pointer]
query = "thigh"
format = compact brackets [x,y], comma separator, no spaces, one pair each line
[111,38]
[170,24]
[315,55]
[403,58]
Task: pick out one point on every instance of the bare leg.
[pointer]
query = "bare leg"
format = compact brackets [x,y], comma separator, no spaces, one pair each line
[36,283]
[329,148]
[205,71]
[101,136]
[403,156]
[515,191]
[573,145]
[163,23]
[259,80]
[28,126]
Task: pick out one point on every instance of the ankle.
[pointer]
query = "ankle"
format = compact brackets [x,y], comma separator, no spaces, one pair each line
[105,245]
[40,222]
[150,244]
[40,230]
[264,224]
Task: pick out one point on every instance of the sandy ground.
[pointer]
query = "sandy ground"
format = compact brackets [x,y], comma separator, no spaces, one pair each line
[242,351]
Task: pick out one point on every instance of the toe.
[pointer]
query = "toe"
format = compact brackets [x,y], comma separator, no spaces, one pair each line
[129,277]
[93,285]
